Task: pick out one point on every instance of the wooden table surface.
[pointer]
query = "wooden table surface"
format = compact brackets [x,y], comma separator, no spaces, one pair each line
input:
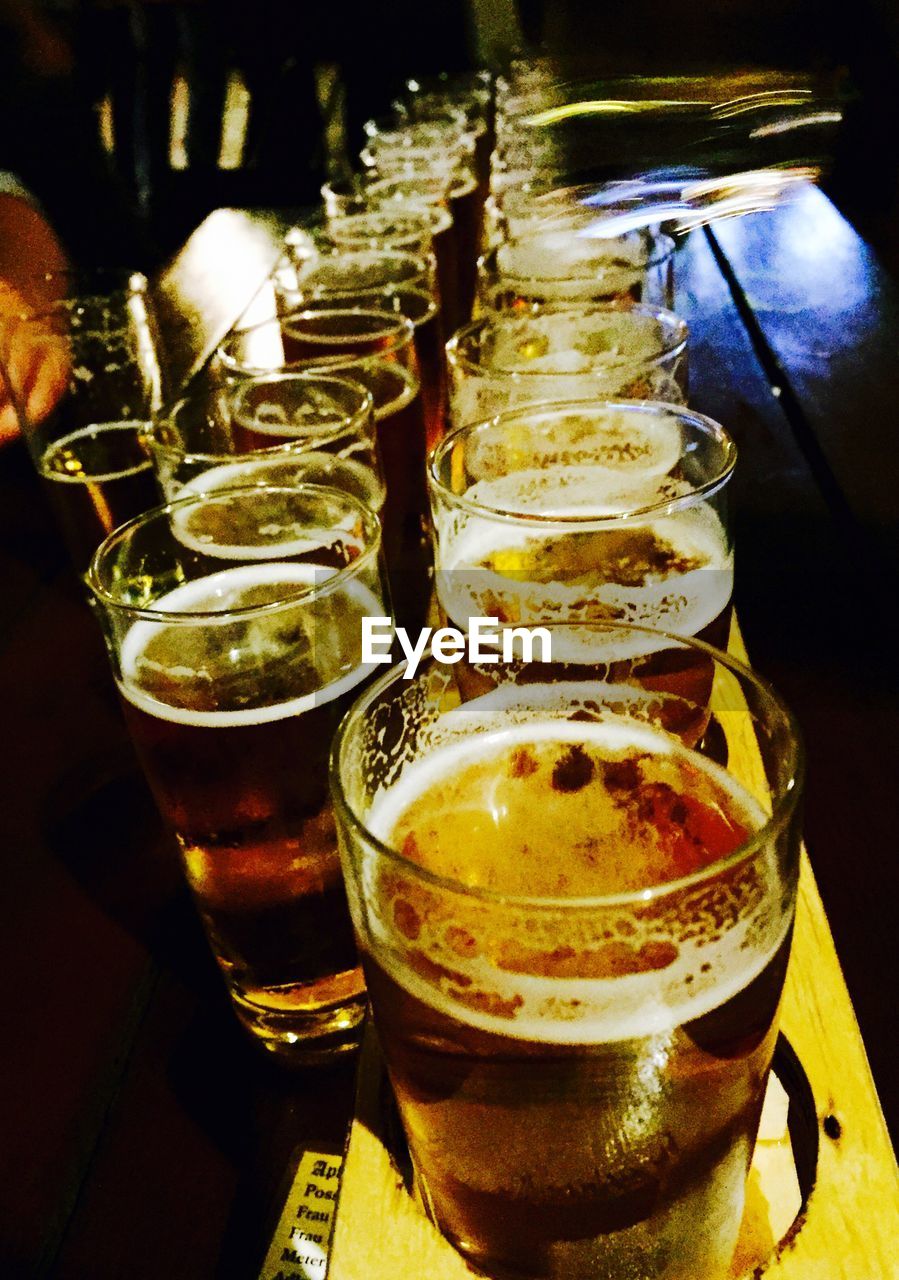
[140,1135]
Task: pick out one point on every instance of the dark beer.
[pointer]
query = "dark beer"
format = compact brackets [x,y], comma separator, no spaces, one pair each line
[580,1087]
[430,191]
[418,306]
[395,387]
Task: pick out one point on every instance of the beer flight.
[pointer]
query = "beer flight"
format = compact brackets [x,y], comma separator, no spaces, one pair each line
[552,868]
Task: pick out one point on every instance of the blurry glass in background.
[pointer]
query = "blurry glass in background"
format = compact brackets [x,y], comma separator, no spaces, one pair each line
[84,376]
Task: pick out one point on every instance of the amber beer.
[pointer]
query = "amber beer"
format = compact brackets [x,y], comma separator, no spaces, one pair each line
[417,305]
[233,684]
[585,514]
[392,376]
[97,478]
[575,955]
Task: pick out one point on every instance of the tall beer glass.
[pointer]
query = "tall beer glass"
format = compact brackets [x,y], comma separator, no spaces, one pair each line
[574,929]
[233,623]
[510,358]
[310,428]
[84,377]
[583,513]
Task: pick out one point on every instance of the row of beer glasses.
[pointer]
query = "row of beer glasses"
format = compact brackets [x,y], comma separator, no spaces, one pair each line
[571,891]
[533,850]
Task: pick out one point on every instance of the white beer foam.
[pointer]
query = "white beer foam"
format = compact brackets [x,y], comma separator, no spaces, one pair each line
[311,466]
[221,592]
[684,603]
[704,976]
[572,266]
[303,541]
[566,342]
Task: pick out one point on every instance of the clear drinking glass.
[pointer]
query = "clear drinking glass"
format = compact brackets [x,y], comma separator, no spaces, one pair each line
[339,272]
[377,350]
[233,623]
[456,170]
[507,359]
[84,377]
[561,267]
[574,925]
[276,429]
[377,280]
[584,513]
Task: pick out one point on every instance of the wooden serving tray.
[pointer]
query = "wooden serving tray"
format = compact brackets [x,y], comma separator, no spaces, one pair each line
[823,1195]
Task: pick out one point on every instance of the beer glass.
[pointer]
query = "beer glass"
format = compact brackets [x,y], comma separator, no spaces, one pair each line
[377,350]
[508,358]
[233,623]
[84,377]
[418,229]
[468,92]
[582,513]
[574,928]
[418,306]
[561,267]
[414,191]
[277,429]
[402,283]
[340,273]
[456,171]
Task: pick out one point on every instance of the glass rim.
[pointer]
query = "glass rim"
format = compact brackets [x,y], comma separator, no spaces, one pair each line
[398,330]
[332,252]
[427,219]
[360,417]
[782,808]
[117,283]
[369,553]
[427,189]
[708,426]
[457,169]
[662,251]
[678,336]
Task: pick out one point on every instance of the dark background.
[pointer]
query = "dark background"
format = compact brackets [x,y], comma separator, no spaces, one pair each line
[128,204]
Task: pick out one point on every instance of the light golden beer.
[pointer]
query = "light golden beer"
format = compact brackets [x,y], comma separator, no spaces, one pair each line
[586,514]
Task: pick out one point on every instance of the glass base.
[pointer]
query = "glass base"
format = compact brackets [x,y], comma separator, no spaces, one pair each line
[304,1037]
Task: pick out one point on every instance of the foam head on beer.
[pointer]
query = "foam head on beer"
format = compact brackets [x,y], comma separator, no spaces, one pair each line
[574,925]
[585,514]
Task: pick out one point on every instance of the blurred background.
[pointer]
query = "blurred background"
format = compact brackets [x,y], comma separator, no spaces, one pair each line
[131,121]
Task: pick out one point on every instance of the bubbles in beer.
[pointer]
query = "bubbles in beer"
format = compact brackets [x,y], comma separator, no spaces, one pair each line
[669,571]
[251,670]
[566,810]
